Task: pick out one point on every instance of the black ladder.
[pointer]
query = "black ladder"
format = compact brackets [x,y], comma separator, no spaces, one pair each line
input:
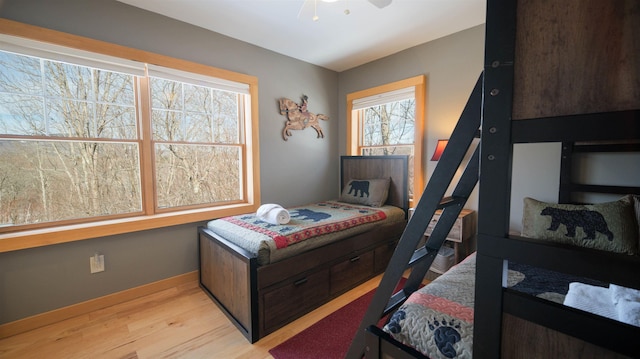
[406,256]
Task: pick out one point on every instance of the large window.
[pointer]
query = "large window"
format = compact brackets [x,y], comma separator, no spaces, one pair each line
[93,138]
[388,120]
[69,142]
[198,137]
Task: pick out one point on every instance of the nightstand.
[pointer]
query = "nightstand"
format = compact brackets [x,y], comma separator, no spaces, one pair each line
[462,234]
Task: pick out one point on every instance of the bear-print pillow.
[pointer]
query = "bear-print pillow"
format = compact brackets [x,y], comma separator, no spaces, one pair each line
[369,192]
[609,226]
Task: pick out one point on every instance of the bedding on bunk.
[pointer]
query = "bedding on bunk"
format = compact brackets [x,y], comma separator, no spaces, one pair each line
[309,226]
[437,320]
[613,302]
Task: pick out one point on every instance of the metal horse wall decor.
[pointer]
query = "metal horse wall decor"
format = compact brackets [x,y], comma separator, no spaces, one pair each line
[299,118]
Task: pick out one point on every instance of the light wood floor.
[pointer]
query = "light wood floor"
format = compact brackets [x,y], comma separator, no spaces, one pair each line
[180,322]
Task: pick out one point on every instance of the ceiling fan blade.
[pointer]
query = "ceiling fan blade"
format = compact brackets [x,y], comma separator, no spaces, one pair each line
[309,9]
[380,3]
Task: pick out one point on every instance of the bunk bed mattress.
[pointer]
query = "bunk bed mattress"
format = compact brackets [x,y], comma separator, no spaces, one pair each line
[311,226]
[437,320]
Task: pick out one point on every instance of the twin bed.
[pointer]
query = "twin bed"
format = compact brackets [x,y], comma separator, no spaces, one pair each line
[264,274]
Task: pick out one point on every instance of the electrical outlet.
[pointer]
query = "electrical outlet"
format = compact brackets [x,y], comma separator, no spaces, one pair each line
[97,263]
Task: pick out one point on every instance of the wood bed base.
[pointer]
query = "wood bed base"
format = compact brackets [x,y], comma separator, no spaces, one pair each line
[261,299]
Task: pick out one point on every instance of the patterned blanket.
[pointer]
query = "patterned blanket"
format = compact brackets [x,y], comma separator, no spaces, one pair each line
[437,320]
[322,222]
[309,221]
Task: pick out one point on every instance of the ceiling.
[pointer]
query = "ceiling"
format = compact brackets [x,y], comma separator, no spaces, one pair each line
[336,40]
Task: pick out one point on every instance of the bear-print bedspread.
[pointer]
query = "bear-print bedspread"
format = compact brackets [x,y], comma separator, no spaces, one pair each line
[310,226]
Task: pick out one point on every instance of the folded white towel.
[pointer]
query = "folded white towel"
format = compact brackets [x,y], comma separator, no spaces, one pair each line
[623,293]
[593,299]
[627,303]
[629,312]
[273,213]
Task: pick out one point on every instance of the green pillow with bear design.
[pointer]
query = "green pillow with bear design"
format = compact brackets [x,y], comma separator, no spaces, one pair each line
[609,226]
[368,192]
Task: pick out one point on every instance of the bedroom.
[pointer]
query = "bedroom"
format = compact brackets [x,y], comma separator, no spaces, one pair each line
[452,65]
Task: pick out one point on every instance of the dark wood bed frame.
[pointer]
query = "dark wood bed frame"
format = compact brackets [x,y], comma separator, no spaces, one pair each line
[534,328]
[551,75]
[262,299]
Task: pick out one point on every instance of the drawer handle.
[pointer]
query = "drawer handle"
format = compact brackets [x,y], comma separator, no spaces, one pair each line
[300,282]
[354,259]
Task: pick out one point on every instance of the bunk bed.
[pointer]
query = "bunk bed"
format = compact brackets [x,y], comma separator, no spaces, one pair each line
[551,76]
[263,285]
[560,79]
[437,321]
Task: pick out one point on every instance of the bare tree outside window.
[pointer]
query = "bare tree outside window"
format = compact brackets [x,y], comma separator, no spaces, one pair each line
[72,152]
[388,129]
[389,119]
[71,137]
[196,135]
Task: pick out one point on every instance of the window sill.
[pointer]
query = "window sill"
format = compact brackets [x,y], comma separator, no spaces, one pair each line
[63,234]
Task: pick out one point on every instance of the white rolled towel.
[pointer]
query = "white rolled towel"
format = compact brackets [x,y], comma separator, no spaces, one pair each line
[590,298]
[273,213]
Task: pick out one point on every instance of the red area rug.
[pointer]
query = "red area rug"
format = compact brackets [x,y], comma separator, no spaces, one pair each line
[331,336]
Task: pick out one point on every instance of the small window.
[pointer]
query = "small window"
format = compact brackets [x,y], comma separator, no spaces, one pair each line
[388,120]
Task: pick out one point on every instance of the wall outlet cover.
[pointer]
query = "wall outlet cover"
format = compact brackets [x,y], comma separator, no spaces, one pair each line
[97,263]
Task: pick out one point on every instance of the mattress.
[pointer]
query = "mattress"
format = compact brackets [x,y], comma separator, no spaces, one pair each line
[437,320]
[311,226]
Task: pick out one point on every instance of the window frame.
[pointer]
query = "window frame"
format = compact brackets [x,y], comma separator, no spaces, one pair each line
[150,218]
[353,128]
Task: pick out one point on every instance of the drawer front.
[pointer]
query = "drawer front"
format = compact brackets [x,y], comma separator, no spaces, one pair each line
[354,270]
[382,256]
[455,234]
[299,296]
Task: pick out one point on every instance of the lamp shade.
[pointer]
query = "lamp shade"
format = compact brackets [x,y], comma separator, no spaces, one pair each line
[439,149]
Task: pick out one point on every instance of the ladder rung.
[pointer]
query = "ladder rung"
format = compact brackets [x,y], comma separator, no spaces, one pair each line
[394,302]
[451,201]
[421,254]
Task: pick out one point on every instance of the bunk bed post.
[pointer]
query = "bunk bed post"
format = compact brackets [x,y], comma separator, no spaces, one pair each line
[495,182]
[566,160]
